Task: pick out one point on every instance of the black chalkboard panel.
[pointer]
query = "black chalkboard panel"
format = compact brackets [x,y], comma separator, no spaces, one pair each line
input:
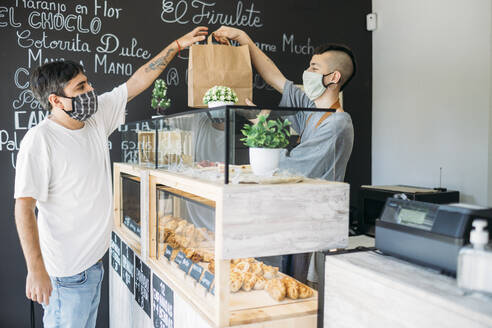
[162,303]
[127,266]
[142,285]
[115,252]
[113,38]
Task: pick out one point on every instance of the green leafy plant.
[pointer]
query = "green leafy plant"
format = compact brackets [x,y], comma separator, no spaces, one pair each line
[266,134]
[159,99]
[220,93]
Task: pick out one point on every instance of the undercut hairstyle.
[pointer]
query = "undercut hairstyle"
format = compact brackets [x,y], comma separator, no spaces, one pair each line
[52,78]
[342,60]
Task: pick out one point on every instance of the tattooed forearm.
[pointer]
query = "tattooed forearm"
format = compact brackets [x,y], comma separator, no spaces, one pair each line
[161,62]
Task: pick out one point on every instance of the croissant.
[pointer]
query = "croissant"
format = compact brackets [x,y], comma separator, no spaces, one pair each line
[269,272]
[196,257]
[305,291]
[249,281]
[256,268]
[242,267]
[276,289]
[171,240]
[260,283]
[236,281]
[292,288]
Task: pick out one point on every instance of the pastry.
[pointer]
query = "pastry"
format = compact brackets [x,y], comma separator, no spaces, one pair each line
[269,272]
[260,282]
[305,291]
[236,281]
[171,240]
[189,231]
[189,252]
[171,225]
[249,281]
[256,268]
[292,288]
[211,266]
[241,267]
[276,289]
[196,257]
[174,254]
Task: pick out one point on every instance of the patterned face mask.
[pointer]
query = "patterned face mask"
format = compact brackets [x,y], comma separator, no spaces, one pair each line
[83,106]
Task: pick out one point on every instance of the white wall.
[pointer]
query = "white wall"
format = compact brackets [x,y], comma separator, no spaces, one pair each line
[432,100]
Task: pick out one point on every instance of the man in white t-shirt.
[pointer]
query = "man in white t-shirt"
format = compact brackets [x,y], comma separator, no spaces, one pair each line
[63,169]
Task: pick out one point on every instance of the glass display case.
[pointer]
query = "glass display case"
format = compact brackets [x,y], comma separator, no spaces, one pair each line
[206,143]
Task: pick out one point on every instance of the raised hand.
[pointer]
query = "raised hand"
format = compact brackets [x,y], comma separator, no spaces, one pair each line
[198,34]
[225,32]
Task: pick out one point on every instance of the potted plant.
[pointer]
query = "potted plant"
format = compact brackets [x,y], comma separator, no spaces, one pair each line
[159,101]
[266,139]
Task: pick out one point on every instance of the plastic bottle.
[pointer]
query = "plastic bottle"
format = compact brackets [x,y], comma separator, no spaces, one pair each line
[475,261]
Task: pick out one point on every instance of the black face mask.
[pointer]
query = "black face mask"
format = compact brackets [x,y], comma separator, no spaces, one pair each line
[83,106]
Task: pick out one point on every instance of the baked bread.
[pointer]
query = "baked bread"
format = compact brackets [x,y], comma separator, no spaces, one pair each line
[211,266]
[249,281]
[256,268]
[260,283]
[292,287]
[305,291]
[276,289]
[236,281]
[269,272]
[242,267]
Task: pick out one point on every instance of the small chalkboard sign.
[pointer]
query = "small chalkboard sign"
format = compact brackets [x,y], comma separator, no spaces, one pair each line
[168,252]
[207,280]
[196,272]
[127,266]
[116,252]
[142,285]
[162,303]
[185,265]
[179,258]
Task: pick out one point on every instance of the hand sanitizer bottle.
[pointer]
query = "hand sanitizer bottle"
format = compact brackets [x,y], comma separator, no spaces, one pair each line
[475,261]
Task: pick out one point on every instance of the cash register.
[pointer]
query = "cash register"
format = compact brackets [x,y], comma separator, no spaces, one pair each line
[425,233]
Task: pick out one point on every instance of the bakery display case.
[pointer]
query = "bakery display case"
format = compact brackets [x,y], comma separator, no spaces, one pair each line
[213,232]
[219,245]
[128,197]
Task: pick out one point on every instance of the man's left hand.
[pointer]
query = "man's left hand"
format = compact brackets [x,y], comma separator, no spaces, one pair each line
[198,34]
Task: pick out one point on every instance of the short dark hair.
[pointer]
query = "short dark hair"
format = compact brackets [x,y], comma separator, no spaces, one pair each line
[52,78]
[341,48]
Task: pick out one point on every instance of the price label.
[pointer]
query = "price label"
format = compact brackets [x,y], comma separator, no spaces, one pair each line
[168,252]
[179,258]
[196,272]
[186,265]
[207,280]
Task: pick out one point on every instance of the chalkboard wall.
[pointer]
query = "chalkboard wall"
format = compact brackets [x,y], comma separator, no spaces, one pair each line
[112,38]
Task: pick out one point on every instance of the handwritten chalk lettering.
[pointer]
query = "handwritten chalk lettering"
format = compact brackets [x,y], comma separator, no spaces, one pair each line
[108,11]
[26,97]
[250,18]
[75,45]
[6,143]
[133,51]
[43,5]
[13,159]
[17,77]
[33,118]
[125,69]
[174,14]
[172,77]
[266,47]
[298,49]
[37,58]
[59,22]
[81,9]
[4,21]
[110,44]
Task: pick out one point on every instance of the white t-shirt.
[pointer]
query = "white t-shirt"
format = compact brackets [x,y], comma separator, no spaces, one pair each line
[68,172]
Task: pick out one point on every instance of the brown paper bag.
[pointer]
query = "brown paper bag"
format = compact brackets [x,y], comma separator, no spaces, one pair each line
[216,64]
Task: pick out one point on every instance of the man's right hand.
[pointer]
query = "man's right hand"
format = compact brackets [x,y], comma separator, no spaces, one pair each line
[38,286]
[225,33]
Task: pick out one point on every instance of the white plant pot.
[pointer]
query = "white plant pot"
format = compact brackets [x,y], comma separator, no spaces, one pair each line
[212,104]
[264,161]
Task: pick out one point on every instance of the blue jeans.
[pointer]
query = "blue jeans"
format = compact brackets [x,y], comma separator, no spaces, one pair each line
[75,299]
